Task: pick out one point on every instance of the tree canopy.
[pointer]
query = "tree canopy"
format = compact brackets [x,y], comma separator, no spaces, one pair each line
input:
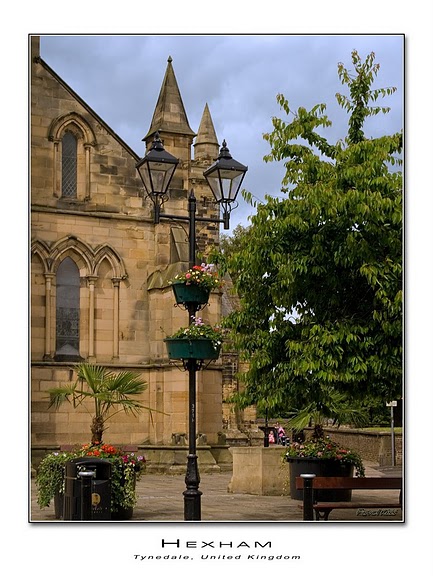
[319,270]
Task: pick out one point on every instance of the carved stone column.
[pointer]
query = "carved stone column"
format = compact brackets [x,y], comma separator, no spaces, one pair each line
[48,315]
[56,181]
[91,282]
[87,168]
[116,287]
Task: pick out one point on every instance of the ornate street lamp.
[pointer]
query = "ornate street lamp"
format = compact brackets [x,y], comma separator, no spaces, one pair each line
[156,170]
[225,177]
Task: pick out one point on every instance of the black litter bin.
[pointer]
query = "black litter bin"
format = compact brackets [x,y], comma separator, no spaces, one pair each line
[75,486]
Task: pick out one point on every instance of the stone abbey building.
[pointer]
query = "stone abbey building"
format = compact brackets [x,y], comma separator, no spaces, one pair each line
[100,267]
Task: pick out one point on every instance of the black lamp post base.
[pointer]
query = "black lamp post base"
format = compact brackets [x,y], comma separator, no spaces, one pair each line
[192,504]
[192,495]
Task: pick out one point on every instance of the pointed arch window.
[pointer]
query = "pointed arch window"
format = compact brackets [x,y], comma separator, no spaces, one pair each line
[69,165]
[73,139]
[67,311]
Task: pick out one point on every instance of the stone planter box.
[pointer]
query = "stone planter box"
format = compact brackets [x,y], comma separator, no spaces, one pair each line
[259,470]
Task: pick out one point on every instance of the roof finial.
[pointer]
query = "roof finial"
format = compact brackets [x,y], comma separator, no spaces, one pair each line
[169,59]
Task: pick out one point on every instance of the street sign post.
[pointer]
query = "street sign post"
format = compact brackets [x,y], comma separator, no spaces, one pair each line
[392,405]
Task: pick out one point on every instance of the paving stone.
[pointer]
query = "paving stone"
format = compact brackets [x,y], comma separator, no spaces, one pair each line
[160,499]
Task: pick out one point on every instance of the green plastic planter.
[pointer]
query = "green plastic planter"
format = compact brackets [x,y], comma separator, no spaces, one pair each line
[190,293]
[194,348]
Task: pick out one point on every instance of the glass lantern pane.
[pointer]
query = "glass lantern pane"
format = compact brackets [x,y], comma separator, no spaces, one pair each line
[168,176]
[145,177]
[214,184]
[234,186]
[158,180]
[227,185]
[161,176]
[229,174]
[230,185]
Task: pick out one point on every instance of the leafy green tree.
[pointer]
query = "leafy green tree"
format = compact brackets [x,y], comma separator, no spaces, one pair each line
[228,246]
[319,271]
[109,392]
[229,243]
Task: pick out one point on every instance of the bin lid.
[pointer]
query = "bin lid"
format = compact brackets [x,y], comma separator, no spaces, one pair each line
[100,465]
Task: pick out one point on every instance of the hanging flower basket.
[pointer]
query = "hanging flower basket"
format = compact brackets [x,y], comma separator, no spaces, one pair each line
[198,340]
[193,348]
[195,285]
[190,293]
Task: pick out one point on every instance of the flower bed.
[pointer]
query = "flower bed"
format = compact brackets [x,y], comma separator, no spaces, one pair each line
[322,457]
[126,469]
[326,449]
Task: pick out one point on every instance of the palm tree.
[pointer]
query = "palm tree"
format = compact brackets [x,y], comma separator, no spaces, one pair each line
[107,389]
[328,405]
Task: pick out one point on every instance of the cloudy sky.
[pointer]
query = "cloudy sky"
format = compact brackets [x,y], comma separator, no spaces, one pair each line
[239,76]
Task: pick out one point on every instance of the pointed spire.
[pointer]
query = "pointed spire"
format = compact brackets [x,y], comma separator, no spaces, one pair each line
[206,144]
[169,115]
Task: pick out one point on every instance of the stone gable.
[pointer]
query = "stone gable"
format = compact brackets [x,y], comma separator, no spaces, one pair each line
[126,306]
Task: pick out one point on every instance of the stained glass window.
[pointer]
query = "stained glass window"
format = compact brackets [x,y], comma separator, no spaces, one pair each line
[67,310]
[69,165]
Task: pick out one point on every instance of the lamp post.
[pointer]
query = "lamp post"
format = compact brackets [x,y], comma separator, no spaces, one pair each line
[225,178]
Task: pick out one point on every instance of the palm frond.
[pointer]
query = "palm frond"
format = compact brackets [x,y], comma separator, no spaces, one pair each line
[126,383]
[57,396]
[92,374]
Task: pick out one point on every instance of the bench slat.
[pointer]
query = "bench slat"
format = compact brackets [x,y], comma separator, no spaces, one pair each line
[371,483]
[354,505]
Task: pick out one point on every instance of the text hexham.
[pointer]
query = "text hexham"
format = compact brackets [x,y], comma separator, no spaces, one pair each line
[195,544]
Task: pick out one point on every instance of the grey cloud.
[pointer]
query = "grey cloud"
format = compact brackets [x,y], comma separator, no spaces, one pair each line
[239,77]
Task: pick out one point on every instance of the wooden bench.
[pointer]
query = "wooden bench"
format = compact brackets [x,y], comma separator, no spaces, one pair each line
[321,510]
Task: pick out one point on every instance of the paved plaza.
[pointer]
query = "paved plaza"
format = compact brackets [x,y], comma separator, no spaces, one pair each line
[160,499]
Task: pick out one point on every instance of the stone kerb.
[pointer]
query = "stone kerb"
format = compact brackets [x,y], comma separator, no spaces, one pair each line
[172,459]
[259,470]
